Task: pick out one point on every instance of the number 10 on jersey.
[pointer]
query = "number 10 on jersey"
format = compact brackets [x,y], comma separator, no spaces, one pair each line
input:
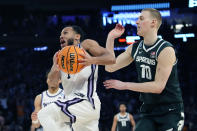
[146,72]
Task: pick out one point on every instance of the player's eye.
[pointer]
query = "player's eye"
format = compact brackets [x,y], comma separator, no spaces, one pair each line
[140,18]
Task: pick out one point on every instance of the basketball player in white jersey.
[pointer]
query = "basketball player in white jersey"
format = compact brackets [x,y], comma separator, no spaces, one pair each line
[81,107]
[123,121]
[44,99]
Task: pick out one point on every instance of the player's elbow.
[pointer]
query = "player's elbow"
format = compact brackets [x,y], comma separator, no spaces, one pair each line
[109,69]
[112,60]
[159,89]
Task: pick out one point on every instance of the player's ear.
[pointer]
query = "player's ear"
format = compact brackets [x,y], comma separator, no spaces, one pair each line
[59,81]
[77,37]
[153,23]
[47,80]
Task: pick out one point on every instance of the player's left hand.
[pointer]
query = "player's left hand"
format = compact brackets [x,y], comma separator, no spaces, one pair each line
[86,60]
[116,84]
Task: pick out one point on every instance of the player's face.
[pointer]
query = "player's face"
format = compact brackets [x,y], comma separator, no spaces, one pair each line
[53,83]
[144,23]
[67,37]
[122,108]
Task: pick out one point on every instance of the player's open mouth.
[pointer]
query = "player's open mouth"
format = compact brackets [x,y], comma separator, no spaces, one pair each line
[62,41]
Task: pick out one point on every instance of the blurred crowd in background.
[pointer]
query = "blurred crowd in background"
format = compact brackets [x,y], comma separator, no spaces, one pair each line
[22,69]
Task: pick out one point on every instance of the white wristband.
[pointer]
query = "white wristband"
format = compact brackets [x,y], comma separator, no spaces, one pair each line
[35,122]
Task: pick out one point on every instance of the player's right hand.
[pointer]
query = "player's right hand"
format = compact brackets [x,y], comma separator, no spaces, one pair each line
[34,119]
[34,116]
[117,31]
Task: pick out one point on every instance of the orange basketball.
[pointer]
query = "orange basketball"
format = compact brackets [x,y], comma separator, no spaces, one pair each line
[68,59]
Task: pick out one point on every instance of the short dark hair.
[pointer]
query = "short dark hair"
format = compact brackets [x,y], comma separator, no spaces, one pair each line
[78,30]
[122,103]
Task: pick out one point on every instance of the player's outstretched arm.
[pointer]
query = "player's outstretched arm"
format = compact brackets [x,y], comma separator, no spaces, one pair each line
[132,122]
[114,123]
[34,117]
[99,55]
[166,60]
[123,59]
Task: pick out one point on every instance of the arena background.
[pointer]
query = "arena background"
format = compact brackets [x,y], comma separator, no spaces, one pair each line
[29,36]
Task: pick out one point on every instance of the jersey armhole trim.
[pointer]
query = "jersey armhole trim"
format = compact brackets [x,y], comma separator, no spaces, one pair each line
[163,48]
[41,99]
[158,50]
[136,50]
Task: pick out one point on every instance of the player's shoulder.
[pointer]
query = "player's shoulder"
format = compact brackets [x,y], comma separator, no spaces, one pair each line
[136,43]
[166,43]
[130,115]
[135,46]
[164,46]
[38,96]
[116,116]
[38,99]
[87,43]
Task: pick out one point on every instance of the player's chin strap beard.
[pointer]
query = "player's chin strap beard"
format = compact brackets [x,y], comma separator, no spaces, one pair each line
[70,42]
[53,88]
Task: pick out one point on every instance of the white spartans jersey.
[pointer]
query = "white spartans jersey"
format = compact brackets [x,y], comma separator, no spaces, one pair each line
[48,98]
[81,85]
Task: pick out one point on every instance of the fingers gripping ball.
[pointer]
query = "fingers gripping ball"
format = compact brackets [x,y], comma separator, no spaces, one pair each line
[68,59]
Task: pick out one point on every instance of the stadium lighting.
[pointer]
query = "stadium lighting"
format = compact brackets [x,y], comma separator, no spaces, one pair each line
[2,48]
[192,3]
[184,36]
[140,6]
[126,17]
[44,48]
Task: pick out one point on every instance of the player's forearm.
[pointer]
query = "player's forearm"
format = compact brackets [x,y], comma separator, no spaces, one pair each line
[105,59]
[54,73]
[109,57]
[133,129]
[110,48]
[110,45]
[113,128]
[147,87]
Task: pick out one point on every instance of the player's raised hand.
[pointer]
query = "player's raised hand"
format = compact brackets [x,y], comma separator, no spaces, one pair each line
[116,84]
[117,31]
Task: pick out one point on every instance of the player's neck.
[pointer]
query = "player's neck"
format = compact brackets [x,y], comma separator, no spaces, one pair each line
[53,90]
[76,43]
[122,113]
[150,39]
